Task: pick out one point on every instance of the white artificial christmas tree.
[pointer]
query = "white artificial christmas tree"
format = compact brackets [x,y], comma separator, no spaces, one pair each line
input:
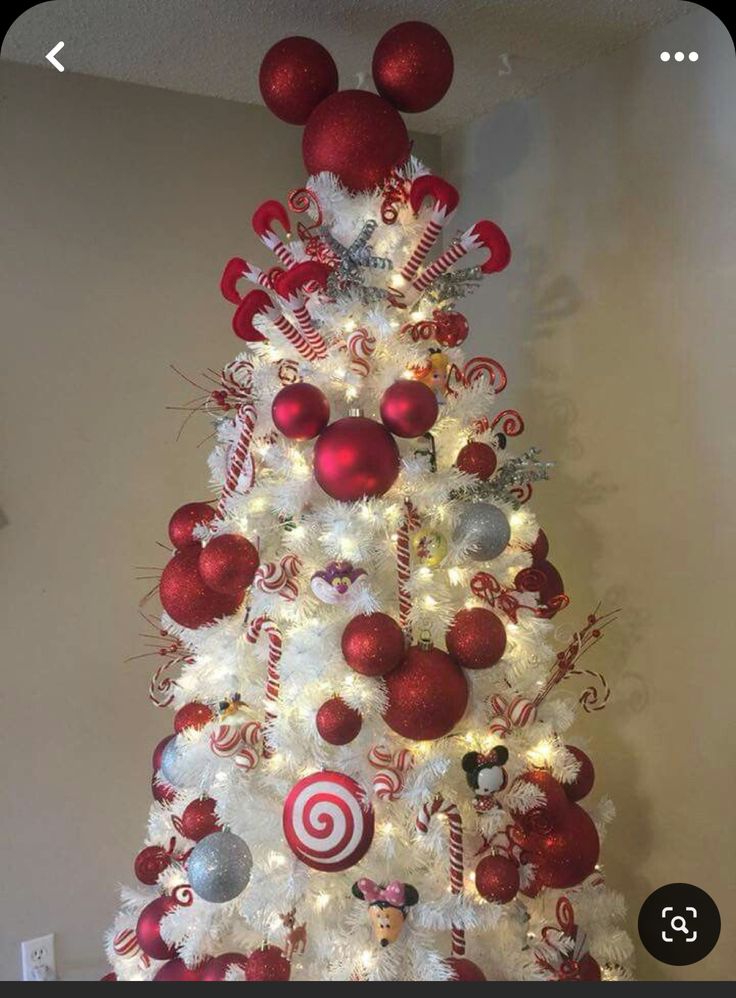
[369,777]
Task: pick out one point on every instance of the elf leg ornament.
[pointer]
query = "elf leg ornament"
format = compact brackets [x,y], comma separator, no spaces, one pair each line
[445,199]
[264,218]
[457,865]
[291,285]
[483,235]
[234,270]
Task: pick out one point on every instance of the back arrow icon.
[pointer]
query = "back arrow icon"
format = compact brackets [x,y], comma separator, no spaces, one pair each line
[55,62]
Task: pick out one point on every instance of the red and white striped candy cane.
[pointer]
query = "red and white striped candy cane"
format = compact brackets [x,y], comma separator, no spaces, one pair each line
[508,714]
[273,681]
[247,418]
[482,235]
[409,522]
[361,346]
[248,754]
[457,863]
[234,270]
[259,303]
[126,944]
[389,780]
[291,284]
[237,378]
[263,221]
[279,577]
[445,198]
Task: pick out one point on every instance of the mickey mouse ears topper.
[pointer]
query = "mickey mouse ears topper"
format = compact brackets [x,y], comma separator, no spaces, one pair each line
[355,134]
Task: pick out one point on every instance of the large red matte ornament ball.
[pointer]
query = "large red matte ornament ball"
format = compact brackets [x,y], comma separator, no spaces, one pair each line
[409,408]
[413,66]
[267,964]
[300,411]
[163,792]
[150,863]
[427,695]
[451,328]
[497,879]
[177,970]
[477,459]
[185,519]
[464,969]
[148,929]
[569,853]
[228,564]
[296,75]
[373,644]
[356,135]
[476,639]
[159,751]
[547,815]
[337,723]
[217,968]
[355,457]
[192,715]
[199,819]
[583,782]
[186,598]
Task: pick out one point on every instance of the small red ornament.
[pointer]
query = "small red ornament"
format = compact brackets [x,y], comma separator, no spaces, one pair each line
[552,584]
[547,815]
[150,863]
[267,964]
[477,459]
[583,782]
[540,548]
[476,639]
[355,457]
[300,411]
[216,969]
[177,970]
[337,723]
[413,66]
[186,598]
[356,135]
[228,564]
[497,879]
[159,751]
[162,791]
[464,969]
[567,854]
[185,519]
[427,695]
[148,929]
[373,644]
[588,969]
[199,819]
[451,328]
[296,75]
[409,408]
[192,715]
[112,976]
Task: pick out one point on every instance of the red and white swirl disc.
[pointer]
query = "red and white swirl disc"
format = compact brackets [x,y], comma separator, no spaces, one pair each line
[327,821]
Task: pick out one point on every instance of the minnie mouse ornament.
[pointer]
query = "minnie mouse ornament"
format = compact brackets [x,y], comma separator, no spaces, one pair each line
[485,774]
[388,906]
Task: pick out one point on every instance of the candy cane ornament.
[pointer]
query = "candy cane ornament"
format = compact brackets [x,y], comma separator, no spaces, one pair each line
[361,346]
[236,269]
[483,235]
[263,221]
[291,284]
[247,418]
[457,863]
[446,199]
[265,625]
[410,521]
[126,945]
[259,303]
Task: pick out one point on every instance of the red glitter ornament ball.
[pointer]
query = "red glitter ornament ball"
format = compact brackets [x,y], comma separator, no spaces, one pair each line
[464,969]
[159,751]
[355,457]
[548,814]
[583,782]
[228,564]
[567,854]
[409,408]
[476,639]
[540,548]
[192,715]
[356,135]
[427,695]
[497,879]
[300,411]
[216,968]
[163,792]
[177,970]
[477,459]
[148,929]
[267,964]
[199,819]
[296,74]
[185,519]
[413,66]
[186,598]
[373,644]
[337,723]
[451,328]
[150,863]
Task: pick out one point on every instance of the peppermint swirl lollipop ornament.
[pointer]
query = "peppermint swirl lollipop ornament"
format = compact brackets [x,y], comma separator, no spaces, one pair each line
[327,821]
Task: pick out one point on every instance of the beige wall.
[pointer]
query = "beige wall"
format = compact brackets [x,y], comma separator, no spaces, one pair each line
[616,321]
[120,205]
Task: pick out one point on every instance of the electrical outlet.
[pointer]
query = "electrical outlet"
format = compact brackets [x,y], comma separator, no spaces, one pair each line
[39,959]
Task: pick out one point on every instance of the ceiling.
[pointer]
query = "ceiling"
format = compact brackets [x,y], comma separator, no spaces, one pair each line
[503,48]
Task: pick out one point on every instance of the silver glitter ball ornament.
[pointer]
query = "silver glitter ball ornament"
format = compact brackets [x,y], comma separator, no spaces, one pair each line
[219,867]
[482,529]
[170,763]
